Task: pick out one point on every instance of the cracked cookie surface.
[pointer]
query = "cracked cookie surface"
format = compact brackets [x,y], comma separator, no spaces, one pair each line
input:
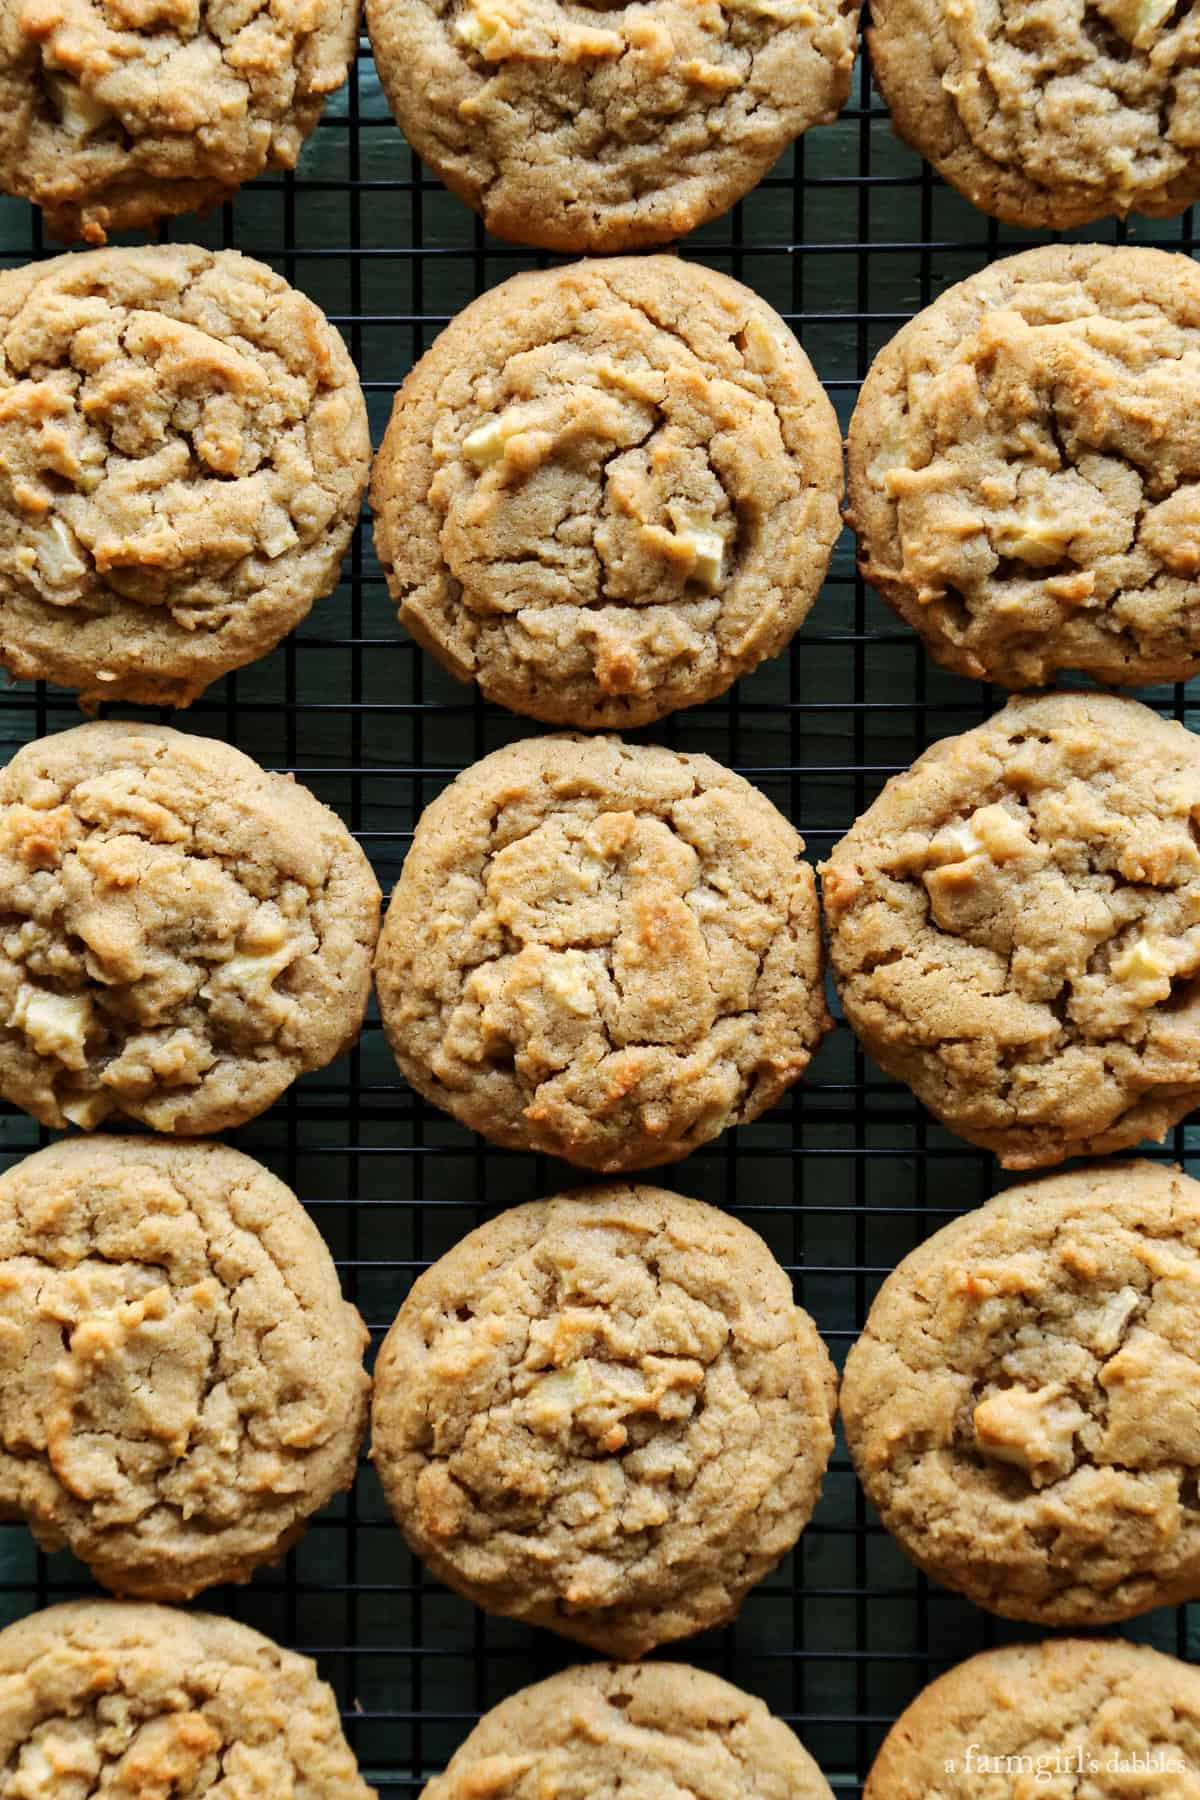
[1015,928]
[181,1382]
[115,114]
[1022,1406]
[136,1701]
[1048,115]
[604,1413]
[608,490]
[182,934]
[1077,1716]
[1025,469]
[597,126]
[648,1730]
[605,951]
[183,453]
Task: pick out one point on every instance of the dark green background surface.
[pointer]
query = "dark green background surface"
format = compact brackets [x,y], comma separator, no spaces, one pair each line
[847,239]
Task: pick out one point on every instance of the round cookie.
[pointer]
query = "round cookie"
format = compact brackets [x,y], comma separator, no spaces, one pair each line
[1025,469]
[1052,116]
[134,1701]
[605,951]
[611,127]
[183,933]
[183,453]
[1021,1408]
[181,1382]
[605,1414]
[1015,928]
[1092,1716]
[653,1728]
[608,490]
[114,116]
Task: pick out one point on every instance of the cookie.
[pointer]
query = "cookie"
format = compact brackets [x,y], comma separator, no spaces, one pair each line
[181,1382]
[183,453]
[114,116]
[1087,1716]
[1021,1408]
[183,933]
[657,1728]
[608,490]
[604,1413]
[605,951]
[615,127]
[1025,469]
[1049,116]
[1015,928]
[136,1701]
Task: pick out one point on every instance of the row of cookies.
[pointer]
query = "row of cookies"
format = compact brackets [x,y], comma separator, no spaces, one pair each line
[585,134]
[608,490]
[144,1699]
[601,1413]
[612,952]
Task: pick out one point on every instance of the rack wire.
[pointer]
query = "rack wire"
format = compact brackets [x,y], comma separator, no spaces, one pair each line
[846,238]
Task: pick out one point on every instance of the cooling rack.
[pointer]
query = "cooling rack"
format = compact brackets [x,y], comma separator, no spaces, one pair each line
[846,238]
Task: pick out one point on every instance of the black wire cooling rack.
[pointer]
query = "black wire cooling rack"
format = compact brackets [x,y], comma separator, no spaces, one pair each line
[847,238]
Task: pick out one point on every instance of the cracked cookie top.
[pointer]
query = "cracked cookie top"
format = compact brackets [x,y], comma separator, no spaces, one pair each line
[183,453]
[604,1413]
[593,125]
[608,490]
[181,1382]
[1069,1716]
[1048,114]
[1015,928]
[656,1728]
[1022,1406]
[1025,469]
[115,114]
[133,1701]
[605,951]
[181,933]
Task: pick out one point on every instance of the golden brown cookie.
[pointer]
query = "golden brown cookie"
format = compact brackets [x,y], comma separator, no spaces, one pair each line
[1025,468]
[139,1702]
[608,127]
[117,113]
[1015,928]
[183,933]
[1047,115]
[1072,1716]
[604,1413]
[183,452]
[608,490]
[648,1729]
[181,1382]
[605,951]
[1022,1406]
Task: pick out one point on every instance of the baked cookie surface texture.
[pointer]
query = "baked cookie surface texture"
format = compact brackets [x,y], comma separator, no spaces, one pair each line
[1049,115]
[1021,1406]
[181,1382]
[1015,928]
[1025,469]
[1092,1716]
[604,1413]
[115,114]
[183,452]
[184,934]
[614,127]
[658,1728]
[103,1697]
[605,951]
[608,490]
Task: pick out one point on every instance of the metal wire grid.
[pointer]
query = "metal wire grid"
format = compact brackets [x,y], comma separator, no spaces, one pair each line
[847,238]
